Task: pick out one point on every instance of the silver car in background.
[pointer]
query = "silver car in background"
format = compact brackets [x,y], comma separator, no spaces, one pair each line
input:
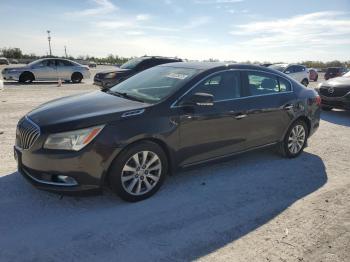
[48,69]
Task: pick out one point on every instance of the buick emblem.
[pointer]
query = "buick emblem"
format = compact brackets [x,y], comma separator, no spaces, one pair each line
[331,90]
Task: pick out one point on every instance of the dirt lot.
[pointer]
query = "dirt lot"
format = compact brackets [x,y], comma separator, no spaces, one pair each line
[254,207]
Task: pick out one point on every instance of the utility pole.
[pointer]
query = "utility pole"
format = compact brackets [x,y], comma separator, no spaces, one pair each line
[65,51]
[49,38]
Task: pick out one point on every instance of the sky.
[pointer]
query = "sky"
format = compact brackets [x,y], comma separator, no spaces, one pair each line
[228,30]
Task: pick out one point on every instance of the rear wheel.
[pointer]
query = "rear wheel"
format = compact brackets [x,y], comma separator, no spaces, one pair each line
[26,77]
[305,82]
[139,171]
[76,77]
[295,140]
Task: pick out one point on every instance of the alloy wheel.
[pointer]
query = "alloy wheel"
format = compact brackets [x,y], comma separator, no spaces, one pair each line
[141,173]
[296,139]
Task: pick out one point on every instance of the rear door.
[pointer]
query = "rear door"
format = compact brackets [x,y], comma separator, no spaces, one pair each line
[268,107]
[64,69]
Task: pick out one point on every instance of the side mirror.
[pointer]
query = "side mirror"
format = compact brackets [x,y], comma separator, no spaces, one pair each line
[200,99]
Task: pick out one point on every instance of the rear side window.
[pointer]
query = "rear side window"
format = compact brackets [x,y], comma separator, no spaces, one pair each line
[223,86]
[264,84]
[299,69]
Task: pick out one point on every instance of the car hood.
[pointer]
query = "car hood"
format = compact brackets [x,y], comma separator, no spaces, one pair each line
[338,82]
[117,70]
[81,111]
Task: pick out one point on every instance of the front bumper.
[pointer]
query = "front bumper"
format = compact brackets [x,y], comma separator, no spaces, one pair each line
[336,102]
[11,75]
[84,171]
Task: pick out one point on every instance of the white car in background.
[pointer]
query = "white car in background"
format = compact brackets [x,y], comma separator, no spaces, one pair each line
[48,69]
[297,72]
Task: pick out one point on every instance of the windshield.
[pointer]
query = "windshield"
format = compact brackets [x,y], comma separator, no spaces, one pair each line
[155,84]
[278,67]
[35,62]
[131,64]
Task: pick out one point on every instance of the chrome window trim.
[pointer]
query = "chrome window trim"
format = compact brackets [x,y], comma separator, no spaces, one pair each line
[173,105]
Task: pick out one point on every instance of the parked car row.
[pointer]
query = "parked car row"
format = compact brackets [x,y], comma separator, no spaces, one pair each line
[170,116]
[297,72]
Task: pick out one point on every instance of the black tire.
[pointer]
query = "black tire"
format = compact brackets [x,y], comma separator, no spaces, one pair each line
[284,149]
[76,77]
[305,82]
[26,78]
[326,108]
[116,170]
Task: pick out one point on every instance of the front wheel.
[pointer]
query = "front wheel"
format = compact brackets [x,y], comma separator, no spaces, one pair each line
[295,140]
[139,171]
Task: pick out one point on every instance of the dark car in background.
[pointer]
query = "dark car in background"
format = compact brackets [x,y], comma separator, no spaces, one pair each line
[335,93]
[174,115]
[332,72]
[109,78]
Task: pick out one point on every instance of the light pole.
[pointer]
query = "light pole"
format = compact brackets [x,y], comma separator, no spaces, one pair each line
[49,38]
[65,51]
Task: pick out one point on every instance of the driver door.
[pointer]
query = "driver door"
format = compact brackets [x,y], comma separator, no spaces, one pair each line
[46,70]
[211,131]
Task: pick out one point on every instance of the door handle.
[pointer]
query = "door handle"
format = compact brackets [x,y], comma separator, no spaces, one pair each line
[288,107]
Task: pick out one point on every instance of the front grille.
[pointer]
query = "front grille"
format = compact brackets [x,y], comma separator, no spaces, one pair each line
[27,133]
[337,92]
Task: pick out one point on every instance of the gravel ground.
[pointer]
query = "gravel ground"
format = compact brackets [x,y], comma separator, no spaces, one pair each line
[253,207]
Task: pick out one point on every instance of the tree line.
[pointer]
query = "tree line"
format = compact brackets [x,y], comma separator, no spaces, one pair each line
[16,53]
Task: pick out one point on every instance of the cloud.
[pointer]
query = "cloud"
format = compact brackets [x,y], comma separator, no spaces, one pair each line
[217,1]
[143,17]
[197,22]
[102,7]
[313,29]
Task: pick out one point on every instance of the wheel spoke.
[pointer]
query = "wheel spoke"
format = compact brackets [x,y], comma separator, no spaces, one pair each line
[148,185]
[136,159]
[132,185]
[144,157]
[157,167]
[138,189]
[153,159]
[127,178]
[129,168]
[153,177]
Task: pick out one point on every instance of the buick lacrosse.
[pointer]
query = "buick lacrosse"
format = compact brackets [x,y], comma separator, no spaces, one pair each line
[171,116]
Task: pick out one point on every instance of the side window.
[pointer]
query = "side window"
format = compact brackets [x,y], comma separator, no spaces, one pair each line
[225,85]
[290,69]
[262,84]
[59,63]
[148,63]
[284,85]
[299,69]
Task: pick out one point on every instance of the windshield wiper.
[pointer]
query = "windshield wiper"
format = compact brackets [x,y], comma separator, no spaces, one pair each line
[124,95]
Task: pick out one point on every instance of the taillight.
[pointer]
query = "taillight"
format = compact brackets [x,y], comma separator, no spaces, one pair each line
[318,100]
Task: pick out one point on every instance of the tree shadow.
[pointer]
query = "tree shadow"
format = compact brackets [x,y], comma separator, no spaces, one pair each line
[195,213]
[338,117]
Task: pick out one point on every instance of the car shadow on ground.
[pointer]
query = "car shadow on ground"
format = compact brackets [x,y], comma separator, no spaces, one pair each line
[195,213]
[338,117]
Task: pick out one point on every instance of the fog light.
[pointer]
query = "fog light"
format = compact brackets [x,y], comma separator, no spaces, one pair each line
[67,180]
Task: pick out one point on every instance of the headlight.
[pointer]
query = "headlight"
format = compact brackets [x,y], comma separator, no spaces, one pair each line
[72,140]
[111,75]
